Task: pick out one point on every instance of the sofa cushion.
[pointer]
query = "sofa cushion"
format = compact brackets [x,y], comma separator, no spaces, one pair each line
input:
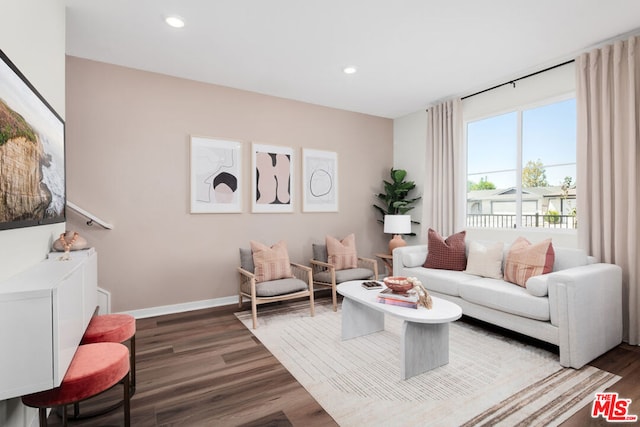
[342,253]
[485,259]
[441,281]
[271,263]
[526,260]
[506,297]
[273,288]
[446,254]
[413,259]
[569,258]
[344,275]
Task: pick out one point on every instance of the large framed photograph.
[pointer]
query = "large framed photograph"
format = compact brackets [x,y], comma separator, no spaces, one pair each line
[320,176]
[271,178]
[216,175]
[32,163]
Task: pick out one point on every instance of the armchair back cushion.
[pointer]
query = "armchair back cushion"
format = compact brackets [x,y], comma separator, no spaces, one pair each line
[320,252]
[246,260]
[271,263]
[342,253]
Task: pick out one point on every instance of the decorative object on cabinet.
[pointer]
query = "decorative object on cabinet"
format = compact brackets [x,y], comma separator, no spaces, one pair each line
[216,175]
[69,241]
[32,178]
[320,181]
[271,179]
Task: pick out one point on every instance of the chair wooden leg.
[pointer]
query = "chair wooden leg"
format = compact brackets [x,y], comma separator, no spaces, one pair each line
[254,313]
[313,309]
[334,296]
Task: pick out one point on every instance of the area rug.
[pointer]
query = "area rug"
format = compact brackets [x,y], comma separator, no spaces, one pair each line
[490,379]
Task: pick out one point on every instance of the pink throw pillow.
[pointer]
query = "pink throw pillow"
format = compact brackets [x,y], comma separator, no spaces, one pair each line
[271,263]
[342,253]
[525,260]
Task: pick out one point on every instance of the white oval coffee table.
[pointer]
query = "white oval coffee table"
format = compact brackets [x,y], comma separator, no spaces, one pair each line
[424,341]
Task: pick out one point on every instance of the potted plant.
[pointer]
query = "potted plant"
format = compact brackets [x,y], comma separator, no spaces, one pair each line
[395,200]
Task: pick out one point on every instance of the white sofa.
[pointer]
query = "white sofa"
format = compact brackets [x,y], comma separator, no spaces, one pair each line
[578,306]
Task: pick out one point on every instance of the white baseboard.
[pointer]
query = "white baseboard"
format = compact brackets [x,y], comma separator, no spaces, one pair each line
[179,308]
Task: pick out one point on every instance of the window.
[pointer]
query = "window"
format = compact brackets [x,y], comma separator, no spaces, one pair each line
[521,168]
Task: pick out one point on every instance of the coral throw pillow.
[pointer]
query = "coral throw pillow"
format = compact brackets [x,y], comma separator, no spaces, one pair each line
[342,253]
[526,260]
[446,254]
[271,263]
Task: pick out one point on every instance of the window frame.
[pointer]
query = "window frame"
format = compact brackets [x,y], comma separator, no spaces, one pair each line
[518,109]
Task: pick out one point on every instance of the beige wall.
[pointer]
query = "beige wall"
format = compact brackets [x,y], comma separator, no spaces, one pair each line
[128,163]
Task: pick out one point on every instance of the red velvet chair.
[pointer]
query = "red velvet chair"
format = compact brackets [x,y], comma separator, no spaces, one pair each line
[95,368]
[114,328]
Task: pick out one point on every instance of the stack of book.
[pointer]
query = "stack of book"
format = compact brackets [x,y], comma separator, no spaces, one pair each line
[409,300]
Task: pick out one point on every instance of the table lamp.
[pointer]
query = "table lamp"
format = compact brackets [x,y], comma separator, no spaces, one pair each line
[397,225]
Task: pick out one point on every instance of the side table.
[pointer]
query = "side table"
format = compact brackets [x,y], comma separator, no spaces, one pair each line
[387,259]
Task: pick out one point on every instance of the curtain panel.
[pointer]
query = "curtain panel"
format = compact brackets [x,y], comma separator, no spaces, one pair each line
[444,188]
[608,135]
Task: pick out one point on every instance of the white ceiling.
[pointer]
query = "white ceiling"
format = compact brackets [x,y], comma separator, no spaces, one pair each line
[409,53]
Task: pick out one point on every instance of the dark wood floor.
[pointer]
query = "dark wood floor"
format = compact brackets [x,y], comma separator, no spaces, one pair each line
[204,368]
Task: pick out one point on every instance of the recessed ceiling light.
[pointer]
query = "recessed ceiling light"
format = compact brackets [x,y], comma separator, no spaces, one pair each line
[174,21]
[349,70]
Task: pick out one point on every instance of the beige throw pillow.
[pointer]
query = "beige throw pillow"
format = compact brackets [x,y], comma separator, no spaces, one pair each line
[485,261]
[526,260]
[271,263]
[342,253]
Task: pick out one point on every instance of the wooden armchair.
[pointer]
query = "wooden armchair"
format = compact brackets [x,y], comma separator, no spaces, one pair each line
[299,286]
[326,275]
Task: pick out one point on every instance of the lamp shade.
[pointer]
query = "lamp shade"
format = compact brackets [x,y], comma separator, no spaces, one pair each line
[397,224]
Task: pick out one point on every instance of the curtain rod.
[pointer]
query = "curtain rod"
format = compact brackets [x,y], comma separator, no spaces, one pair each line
[513,82]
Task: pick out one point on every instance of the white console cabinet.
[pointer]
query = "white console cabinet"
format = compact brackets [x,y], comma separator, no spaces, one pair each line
[44,312]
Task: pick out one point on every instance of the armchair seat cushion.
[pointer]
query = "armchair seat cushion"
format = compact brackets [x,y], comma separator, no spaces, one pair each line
[344,275]
[274,288]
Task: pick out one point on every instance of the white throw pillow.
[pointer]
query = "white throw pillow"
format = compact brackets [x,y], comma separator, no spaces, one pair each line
[485,260]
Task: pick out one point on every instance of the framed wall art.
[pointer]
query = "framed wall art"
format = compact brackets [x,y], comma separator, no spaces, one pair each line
[271,178]
[32,176]
[320,181]
[216,175]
